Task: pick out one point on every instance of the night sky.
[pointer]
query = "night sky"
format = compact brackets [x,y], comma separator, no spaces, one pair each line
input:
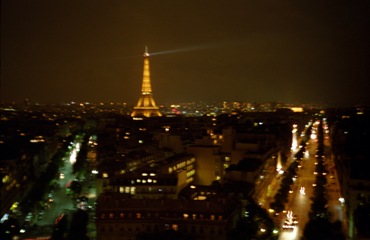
[291,51]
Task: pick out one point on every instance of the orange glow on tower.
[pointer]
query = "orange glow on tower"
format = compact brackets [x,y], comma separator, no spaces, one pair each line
[146,106]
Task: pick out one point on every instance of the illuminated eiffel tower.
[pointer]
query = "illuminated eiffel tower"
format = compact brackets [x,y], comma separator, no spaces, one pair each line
[146,105]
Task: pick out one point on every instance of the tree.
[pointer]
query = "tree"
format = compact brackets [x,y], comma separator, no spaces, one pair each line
[9,228]
[78,227]
[249,226]
[322,229]
[76,187]
[60,228]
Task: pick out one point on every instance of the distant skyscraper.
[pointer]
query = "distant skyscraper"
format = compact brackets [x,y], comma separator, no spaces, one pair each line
[146,105]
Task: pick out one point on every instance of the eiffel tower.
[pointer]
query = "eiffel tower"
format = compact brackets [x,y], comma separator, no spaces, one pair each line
[146,105]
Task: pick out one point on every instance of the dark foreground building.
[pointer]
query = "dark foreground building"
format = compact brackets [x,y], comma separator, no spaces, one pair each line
[122,218]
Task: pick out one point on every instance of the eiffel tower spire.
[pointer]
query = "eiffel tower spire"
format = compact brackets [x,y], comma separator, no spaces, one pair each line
[146,106]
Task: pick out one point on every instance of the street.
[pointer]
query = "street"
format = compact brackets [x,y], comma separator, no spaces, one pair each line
[60,202]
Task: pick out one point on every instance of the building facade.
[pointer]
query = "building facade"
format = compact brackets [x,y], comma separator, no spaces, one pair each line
[121,218]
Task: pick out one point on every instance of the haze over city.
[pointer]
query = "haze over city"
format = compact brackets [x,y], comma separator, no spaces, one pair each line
[290,51]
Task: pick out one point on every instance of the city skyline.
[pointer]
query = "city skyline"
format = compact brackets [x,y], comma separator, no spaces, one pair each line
[86,51]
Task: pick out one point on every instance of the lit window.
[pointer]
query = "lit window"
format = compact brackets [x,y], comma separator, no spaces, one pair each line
[105,175]
[189,180]
[213,217]
[138,215]
[186,215]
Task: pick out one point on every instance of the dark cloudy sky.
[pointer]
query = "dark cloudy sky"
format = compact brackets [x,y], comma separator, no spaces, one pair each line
[292,51]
